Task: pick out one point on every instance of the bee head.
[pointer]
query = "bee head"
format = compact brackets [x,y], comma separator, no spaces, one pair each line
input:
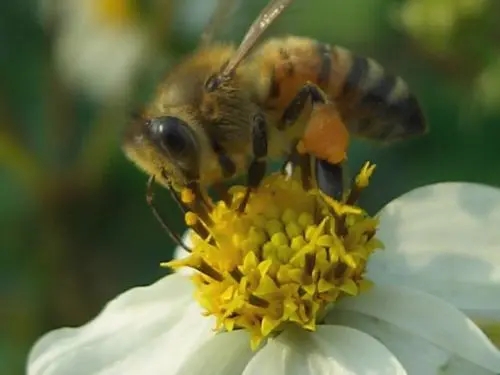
[164,146]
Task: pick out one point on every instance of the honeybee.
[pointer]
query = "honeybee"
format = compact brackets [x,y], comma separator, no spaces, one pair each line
[225,110]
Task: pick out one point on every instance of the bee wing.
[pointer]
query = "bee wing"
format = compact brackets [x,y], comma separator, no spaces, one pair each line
[386,124]
[385,110]
[223,11]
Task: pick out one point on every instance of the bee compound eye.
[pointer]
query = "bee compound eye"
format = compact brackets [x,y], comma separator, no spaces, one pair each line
[172,134]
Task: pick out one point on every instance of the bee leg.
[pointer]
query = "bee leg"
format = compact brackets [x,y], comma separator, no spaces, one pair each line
[292,160]
[221,191]
[257,169]
[305,171]
[199,204]
[228,168]
[287,167]
[303,161]
[296,106]
[150,201]
[329,176]
[184,207]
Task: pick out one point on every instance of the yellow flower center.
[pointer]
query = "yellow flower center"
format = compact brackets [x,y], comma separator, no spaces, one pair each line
[285,260]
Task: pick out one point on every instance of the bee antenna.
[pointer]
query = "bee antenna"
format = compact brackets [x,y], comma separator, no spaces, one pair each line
[261,23]
[150,200]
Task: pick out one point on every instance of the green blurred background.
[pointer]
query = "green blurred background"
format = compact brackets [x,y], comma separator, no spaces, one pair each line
[75,229]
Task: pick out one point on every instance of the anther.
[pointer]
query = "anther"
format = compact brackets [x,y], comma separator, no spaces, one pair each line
[353,196]
[236,274]
[257,301]
[360,183]
[339,270]
[209,271]
[340,225]
[310,261]
[370,235]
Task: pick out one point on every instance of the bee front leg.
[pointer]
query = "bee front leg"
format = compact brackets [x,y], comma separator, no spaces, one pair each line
[198,202]
[150,201]
[257,168]
[329,174]
[183,207]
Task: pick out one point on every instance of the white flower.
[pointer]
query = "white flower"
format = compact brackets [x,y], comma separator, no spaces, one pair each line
[98,46]
[442,261]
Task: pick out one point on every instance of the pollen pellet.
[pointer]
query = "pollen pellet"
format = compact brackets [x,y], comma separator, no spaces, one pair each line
[288,216]
[279,239]
[274,226]
[305,219]
[293,229]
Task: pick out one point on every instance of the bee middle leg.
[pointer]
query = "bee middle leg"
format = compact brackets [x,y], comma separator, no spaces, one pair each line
[329,176]
[257,168]
[303,161]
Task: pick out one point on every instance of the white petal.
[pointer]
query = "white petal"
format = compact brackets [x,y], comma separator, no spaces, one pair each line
[330,350]
[427,317]
[145,330]
[417,355]
[444,239]
[226,353]
[100,60]
[179,251]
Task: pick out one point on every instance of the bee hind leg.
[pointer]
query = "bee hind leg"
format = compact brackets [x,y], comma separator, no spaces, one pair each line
[257,168]
[329,175]
[330,178]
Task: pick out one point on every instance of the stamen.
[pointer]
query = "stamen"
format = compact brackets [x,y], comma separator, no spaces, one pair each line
[310,260]
[257,302]
[236,274]
[284,260]
[206,269]
[360,183]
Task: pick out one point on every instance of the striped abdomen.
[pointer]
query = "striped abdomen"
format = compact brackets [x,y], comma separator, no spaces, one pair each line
[373,104]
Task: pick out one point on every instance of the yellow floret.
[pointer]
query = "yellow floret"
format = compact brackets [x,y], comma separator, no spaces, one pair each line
[285,260]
